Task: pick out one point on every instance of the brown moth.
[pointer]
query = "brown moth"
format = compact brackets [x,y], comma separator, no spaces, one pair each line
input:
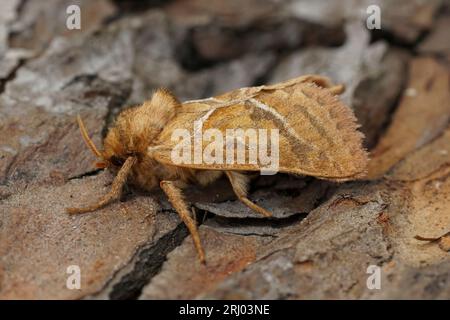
[318,137]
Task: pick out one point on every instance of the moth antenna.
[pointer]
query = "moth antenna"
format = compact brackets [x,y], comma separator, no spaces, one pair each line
[86,138]
[116,189]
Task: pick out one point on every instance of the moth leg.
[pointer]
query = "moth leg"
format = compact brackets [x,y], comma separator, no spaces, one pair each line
[326,83]
[337,89]
[116,189]
[175,196]
[239,182]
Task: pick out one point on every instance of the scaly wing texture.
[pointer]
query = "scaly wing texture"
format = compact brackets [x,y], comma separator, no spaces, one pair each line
[318,134]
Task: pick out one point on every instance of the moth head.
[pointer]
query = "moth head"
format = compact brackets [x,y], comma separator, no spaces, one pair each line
[134,130]
[114,154]
[105,158]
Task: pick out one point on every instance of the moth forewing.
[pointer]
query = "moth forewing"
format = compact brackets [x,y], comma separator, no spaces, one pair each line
[317,133]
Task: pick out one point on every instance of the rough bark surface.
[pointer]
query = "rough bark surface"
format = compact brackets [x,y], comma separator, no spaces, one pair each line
[322,237]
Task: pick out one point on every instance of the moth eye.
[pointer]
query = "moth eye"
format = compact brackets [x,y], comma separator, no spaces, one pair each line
[116,161]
